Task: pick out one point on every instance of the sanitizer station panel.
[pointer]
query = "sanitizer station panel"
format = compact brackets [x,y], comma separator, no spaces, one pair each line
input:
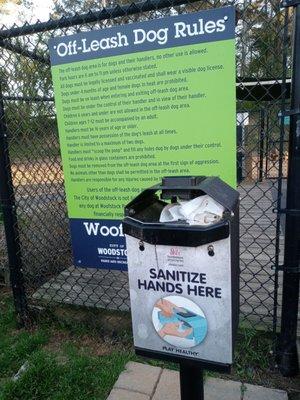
[182,247]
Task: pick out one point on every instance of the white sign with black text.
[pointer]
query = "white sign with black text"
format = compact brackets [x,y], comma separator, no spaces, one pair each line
[181,299]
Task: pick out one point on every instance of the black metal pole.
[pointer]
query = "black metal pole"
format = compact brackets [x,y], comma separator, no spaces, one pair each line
[261,144]
[267,145]
[191,382]
[279,222]
[7,203]
[288,356]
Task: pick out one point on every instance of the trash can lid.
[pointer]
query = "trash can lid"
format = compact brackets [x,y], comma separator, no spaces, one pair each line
[188,187]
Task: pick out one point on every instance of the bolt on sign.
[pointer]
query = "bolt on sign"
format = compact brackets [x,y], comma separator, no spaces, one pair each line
[134,103]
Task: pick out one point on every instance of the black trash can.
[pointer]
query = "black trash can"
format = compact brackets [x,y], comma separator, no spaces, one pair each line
[184,275]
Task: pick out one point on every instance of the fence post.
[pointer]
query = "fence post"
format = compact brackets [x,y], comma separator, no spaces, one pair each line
[288,357]
[267,145]
[261,145]
[7,203]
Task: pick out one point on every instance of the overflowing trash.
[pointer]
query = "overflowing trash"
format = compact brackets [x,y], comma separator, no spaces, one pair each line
[202,210]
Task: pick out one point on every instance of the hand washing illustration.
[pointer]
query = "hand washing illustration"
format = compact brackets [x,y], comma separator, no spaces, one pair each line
[179,321]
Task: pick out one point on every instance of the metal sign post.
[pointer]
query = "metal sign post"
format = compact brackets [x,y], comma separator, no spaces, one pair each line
[191,382]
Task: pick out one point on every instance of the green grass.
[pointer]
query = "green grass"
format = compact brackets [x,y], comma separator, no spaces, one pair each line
[76,377]
[15,347]
[253,353]
[64,373]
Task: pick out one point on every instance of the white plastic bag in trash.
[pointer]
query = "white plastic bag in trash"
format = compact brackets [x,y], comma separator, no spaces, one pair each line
[202,210]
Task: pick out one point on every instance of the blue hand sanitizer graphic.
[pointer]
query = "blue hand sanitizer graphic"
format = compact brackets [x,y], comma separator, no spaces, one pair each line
[196,322]
[176,322]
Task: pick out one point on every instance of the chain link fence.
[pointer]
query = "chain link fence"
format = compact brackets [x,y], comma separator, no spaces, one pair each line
[36,188]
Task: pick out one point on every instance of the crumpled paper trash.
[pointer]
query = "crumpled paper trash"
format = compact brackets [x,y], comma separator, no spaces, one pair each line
[202,210]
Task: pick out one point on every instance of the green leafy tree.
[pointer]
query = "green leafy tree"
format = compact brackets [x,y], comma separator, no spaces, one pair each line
[261,43]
